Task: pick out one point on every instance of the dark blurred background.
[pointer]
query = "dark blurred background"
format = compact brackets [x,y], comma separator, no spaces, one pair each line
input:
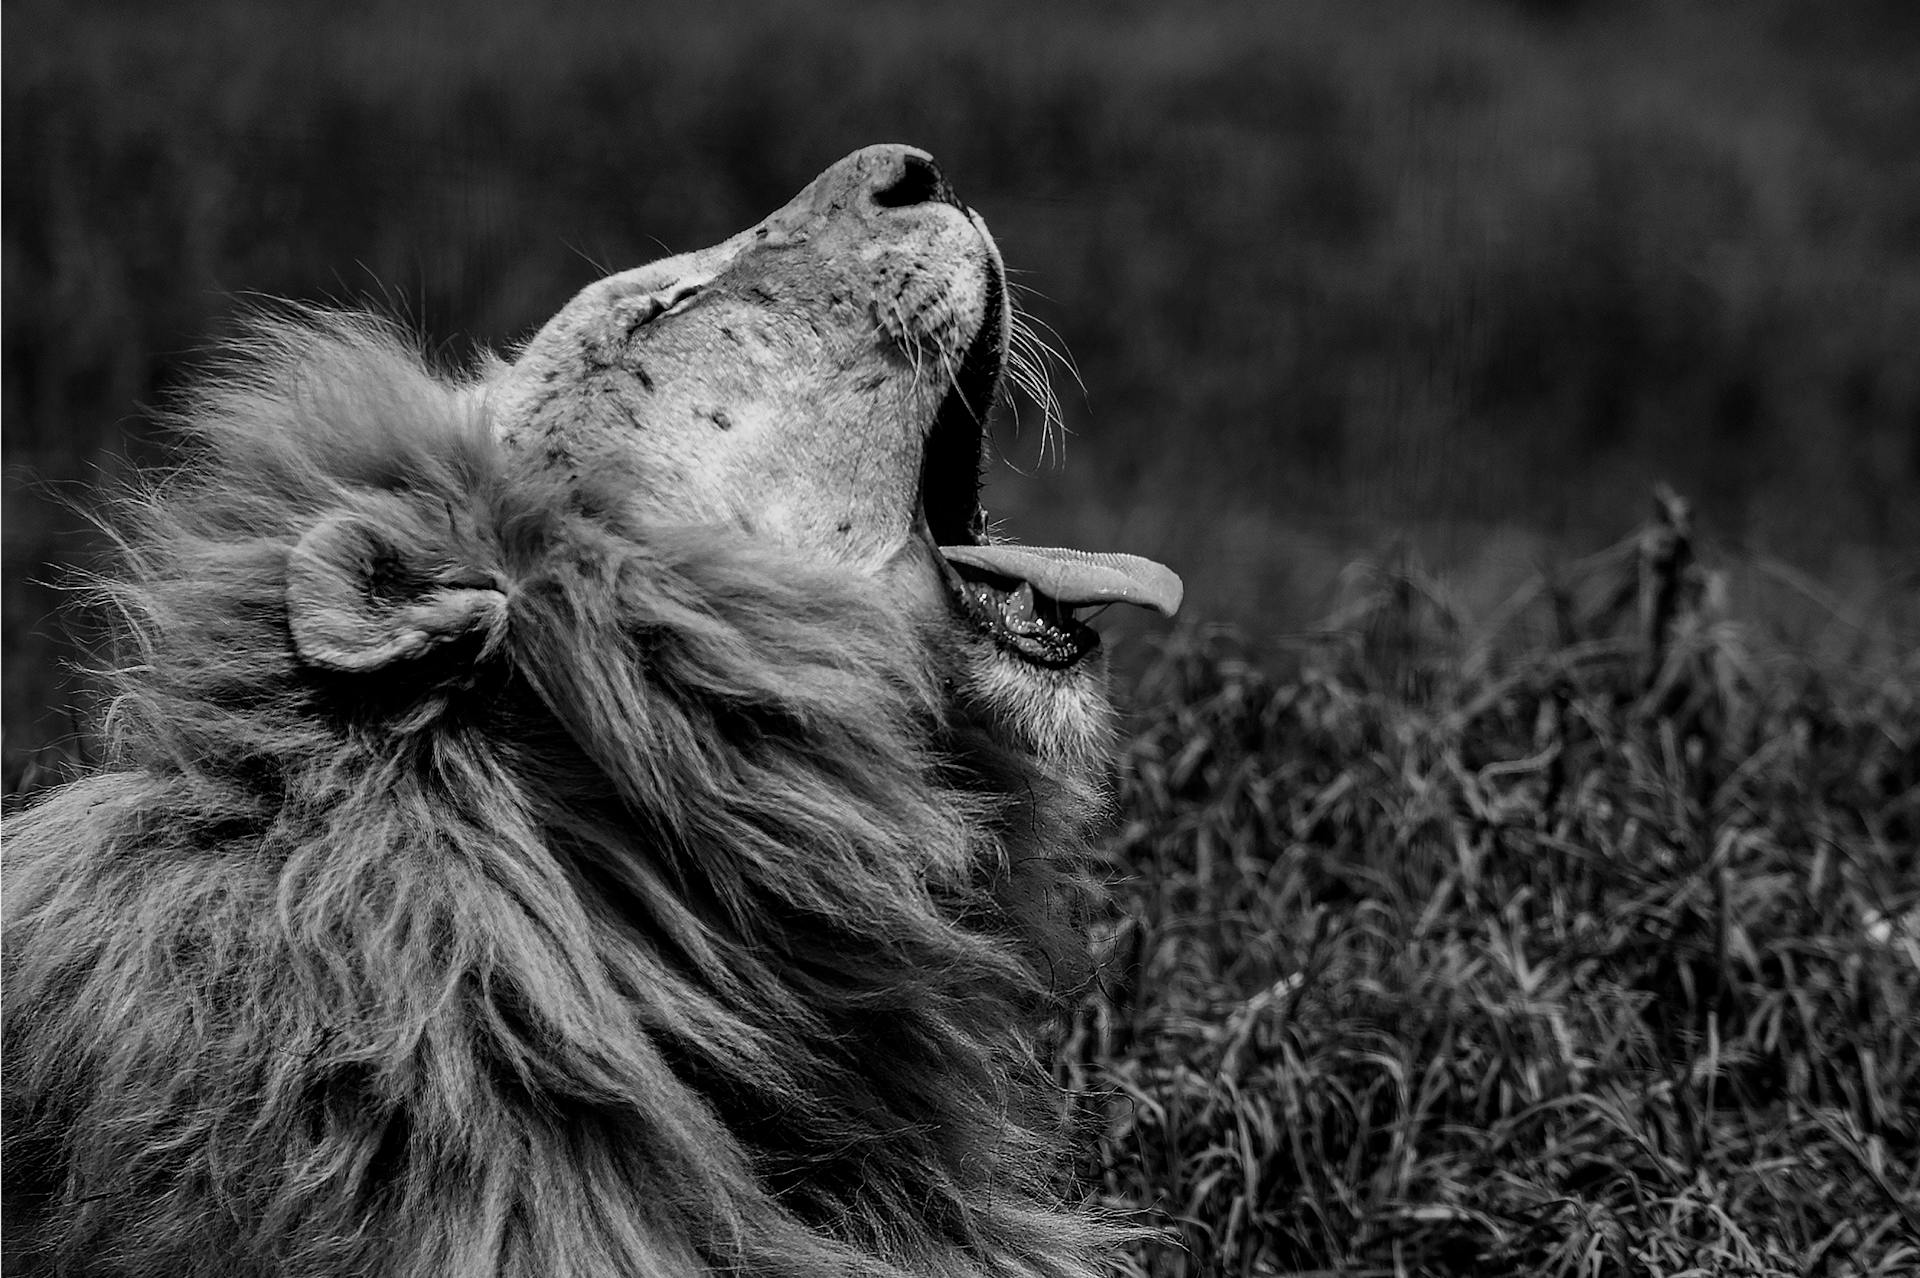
[1468,274]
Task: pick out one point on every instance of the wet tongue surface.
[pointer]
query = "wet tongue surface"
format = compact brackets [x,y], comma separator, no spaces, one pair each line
[1074,577]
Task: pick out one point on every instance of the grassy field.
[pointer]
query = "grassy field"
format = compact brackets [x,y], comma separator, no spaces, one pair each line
[1583,943]
[1496,923]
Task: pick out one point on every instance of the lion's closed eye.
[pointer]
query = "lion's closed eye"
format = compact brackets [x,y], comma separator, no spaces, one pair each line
[638,312]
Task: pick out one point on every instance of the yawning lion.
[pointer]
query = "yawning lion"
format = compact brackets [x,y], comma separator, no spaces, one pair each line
[615,813]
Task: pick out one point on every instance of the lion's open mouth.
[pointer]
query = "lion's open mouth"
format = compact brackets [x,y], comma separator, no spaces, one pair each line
[1023,597]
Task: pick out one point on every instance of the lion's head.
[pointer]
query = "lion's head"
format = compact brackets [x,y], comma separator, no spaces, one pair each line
[822,380]
[611,814]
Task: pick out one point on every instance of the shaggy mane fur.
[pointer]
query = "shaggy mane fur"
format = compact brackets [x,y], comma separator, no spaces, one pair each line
[684,925]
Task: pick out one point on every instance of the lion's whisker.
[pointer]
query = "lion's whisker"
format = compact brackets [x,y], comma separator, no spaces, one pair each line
[1057,348]
[1027,354]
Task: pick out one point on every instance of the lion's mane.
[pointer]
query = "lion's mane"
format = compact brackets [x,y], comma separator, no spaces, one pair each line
[680,922]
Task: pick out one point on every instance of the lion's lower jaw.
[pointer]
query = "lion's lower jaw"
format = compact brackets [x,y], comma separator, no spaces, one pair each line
[1061,717]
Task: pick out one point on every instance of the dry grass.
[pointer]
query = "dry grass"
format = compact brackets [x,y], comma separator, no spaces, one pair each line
[1449,955]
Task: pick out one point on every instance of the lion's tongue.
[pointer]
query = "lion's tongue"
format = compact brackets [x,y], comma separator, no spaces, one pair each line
[1074,577]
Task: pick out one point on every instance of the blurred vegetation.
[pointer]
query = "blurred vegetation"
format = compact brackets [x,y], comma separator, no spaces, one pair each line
[1587,942]
[1472,269]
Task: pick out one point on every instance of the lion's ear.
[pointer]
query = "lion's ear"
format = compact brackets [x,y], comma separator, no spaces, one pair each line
[355,604]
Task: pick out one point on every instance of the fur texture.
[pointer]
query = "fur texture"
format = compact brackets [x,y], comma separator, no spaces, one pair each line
[686,917]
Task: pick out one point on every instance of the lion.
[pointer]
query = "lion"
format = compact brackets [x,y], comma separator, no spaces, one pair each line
[614,811]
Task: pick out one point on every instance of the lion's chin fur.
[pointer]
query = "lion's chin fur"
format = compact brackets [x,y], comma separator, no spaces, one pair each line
[696,926]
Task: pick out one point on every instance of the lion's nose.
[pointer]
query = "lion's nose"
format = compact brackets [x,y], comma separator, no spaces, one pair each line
[917,180]
[856,197]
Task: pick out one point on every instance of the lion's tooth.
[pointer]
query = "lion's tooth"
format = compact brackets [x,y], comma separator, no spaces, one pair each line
[1020,604]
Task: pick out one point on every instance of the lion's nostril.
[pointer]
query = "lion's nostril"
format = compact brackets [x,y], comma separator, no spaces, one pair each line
[920,182]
